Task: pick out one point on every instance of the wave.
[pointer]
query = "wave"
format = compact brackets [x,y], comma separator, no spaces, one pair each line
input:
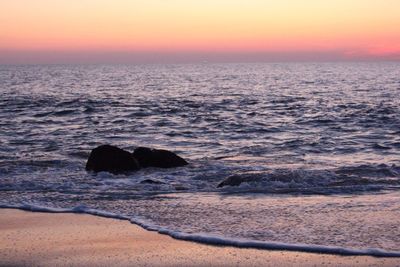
[213,239]
[345,179]
[203,175]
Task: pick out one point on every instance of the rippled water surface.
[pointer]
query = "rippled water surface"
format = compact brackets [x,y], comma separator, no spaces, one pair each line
[318,146]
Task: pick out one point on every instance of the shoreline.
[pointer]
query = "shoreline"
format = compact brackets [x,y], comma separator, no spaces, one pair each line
[48,239]
[212,239]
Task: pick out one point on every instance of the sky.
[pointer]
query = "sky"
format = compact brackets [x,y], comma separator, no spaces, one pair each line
[159,31]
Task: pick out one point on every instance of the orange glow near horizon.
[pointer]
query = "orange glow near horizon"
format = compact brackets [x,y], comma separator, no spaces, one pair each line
[358,27]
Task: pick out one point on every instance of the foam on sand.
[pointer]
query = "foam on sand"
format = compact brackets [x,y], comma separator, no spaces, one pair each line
[215,240]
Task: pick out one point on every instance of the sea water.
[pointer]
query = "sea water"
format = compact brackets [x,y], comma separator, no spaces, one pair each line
[318,142]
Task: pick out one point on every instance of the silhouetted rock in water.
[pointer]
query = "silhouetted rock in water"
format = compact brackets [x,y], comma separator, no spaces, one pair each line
[160,158]
[236,180]
[111,159]
[150,181]
[115,160]
[180,188]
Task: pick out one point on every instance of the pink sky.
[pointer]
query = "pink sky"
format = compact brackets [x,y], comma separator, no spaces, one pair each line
[100,31]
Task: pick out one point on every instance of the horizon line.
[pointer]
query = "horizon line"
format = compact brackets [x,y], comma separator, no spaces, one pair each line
[18,57]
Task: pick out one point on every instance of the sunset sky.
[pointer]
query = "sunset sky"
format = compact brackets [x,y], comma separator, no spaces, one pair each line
[59,31]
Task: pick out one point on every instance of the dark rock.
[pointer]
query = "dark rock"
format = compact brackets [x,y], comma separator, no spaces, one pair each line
[160,158]
[236,180]
[111,159]
[180,188]
[150,181]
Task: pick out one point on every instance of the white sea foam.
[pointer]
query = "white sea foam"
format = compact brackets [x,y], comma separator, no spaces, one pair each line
[213,239]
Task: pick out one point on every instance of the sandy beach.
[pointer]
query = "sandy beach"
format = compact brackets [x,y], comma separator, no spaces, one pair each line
[46,239]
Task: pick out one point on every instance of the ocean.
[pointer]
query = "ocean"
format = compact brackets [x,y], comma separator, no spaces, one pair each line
[317,145]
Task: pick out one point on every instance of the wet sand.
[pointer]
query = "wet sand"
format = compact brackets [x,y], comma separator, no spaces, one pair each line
[49,239]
